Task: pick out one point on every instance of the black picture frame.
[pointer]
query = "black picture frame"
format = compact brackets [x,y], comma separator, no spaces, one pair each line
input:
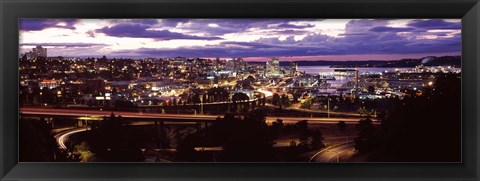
[467,10]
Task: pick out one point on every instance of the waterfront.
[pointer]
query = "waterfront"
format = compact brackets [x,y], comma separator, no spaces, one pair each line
[328,69]
[343,79]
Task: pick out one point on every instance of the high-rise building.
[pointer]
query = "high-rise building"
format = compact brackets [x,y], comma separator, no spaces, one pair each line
[230,64]
[357,88]
[216,62]
[273,68]
[240,63]
[293,68]
[38,51]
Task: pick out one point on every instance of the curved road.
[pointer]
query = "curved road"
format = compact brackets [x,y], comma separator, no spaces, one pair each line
[62,137]
[332,154]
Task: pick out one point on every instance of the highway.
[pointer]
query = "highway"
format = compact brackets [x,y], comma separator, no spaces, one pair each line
[62,137]
[327,140]
[333,153]
[98,115]
[199,104]
[101,114]
[293,108]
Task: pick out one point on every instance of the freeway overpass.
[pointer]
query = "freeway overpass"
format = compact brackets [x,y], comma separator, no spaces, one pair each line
[138,116]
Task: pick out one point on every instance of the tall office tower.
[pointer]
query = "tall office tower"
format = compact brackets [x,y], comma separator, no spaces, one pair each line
[240,63]
[293,68]
[216,62]
[39,51]
[273,67]
[230,64]
[357,88]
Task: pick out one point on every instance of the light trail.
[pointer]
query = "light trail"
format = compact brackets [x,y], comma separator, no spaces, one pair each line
[267,93]
[97,115]
[328,154]
[63,136]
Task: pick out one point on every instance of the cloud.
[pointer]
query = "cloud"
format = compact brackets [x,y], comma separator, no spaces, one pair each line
[276,41]
[63,44]
[361,37]
[40,24]
[218,27]
[288,32]
[286,25]
[390,29]
[91,34]
[270,37]
[143,31]
[435,24]
[172,22]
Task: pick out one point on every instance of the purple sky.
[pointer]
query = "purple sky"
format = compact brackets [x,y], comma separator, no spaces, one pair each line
[251,39]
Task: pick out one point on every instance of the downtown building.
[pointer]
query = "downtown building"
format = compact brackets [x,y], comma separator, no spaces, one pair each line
[38,51]
[273,68]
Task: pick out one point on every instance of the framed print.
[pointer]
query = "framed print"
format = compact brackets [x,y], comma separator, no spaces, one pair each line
[230,90]
[295,90]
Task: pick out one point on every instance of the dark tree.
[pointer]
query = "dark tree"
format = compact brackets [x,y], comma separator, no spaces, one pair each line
[342,125]
[304,134]
[430,123]
[317,138]
[371,89]
[276,99]
[284,101]
[112,140]
[249,139]
[240,97]
[36,143]
[365,139]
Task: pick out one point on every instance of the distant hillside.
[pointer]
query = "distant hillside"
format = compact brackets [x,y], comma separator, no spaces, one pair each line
[427,61]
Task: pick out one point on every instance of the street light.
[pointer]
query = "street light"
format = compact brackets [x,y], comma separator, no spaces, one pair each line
[201,104]
[328,107]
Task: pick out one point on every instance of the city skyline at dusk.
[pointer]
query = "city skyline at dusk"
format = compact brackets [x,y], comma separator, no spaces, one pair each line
[239,90]
[250,39]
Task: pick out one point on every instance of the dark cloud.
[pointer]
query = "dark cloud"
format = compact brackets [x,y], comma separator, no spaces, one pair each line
[361,37]
[246,50]
[288,32]
[142,31]
[40,24]
[391,29]
[363,26]
[63,44]
[286,25]
[223,27]
[146,21]
[250,44]
[435,24]
[239,25]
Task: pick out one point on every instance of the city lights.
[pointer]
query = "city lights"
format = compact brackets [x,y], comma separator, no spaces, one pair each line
[240,90]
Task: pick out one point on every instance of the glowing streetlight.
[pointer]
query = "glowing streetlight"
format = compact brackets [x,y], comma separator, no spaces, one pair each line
[328,107]
[201,104]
